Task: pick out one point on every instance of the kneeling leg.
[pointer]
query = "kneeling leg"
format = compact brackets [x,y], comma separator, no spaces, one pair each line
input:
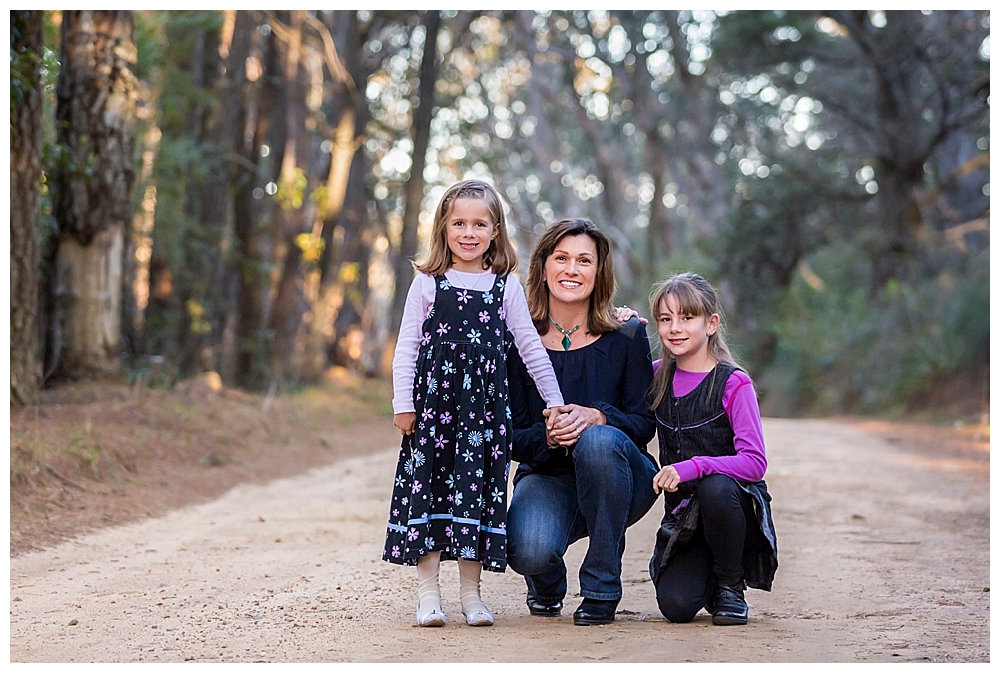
[684,586]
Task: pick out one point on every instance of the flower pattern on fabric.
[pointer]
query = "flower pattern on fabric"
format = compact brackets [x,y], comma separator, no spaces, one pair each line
[460,450]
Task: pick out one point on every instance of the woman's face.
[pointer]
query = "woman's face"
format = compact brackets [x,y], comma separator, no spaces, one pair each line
[571,270]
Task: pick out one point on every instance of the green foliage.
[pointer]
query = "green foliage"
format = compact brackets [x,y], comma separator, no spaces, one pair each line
[23,62]
[312,250]
[291,192]
[88,455]
[258,349]
[834,325]
[149,45]
[759,40]
[148,371]
[840,350]
[186,249]
[772,169]
[54,155]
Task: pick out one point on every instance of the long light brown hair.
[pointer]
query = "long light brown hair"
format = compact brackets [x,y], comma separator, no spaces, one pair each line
[695,296]
[601,318]
[500,257]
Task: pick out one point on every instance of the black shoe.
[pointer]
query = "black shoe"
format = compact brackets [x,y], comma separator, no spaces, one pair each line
[729,607]
[593,612]
[544,607]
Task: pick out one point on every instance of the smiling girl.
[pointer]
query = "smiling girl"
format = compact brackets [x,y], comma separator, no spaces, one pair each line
[716,536]
[449,370]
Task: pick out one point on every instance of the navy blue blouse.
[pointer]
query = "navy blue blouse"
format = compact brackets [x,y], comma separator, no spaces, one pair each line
[612,374]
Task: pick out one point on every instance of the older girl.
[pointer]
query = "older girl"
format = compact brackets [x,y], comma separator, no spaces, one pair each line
[716,535]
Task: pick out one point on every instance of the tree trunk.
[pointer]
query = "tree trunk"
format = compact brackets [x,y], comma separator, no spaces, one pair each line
[96,106]
[293,195]
[693,164]
[210,207]
[89,287]
[254,343]
[25,174]
[902,141]
[228,127]
[347,111]
[421,132]
[339,306]
[187,234]
[352,268]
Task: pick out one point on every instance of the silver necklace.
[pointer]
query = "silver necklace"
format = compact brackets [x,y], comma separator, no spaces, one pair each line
[479,279]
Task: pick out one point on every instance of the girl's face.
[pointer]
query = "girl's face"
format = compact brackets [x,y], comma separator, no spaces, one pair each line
[469,230]
[571,270]
[686,335]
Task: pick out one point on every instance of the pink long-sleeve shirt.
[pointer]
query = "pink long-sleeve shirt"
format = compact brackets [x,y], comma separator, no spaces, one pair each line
[739,401]
[419,301]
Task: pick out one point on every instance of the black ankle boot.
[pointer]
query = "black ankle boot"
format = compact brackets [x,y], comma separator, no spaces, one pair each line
[544,607]
[728,606]
[593,612]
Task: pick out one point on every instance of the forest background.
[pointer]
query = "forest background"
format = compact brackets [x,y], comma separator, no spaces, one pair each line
[243,192]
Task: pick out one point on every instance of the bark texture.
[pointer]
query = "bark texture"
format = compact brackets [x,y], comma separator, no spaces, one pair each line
[25,174]
[95,113]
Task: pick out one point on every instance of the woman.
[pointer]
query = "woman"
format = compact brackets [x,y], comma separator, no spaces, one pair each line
[584,470]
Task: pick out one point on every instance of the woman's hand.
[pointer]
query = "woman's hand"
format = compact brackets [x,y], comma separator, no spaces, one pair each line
[565,424]
[406,422]
[552,442]
[666,479]
[623,313]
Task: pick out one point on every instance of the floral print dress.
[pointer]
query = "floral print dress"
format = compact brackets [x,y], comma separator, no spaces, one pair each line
[450,490]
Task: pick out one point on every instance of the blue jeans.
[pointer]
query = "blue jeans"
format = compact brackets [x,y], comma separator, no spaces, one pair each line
[611,489]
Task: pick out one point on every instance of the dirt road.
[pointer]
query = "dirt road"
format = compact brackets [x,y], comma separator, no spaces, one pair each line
[883,551]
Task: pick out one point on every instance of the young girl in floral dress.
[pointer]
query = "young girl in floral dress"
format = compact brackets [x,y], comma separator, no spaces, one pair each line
[462,312]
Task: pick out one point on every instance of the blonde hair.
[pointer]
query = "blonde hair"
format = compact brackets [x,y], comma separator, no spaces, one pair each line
[601,319]
[695,296]
[500,257]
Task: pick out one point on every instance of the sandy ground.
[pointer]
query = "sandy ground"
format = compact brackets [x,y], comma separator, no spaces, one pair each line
[883,552]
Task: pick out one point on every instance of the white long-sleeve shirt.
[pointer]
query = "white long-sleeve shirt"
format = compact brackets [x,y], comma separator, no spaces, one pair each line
[419,301]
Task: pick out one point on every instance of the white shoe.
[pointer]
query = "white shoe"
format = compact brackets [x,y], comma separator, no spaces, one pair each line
[475,611]
[433,616]
[478,617]
[429,611]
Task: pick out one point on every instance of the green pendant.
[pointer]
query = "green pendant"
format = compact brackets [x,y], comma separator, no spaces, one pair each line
[566,332]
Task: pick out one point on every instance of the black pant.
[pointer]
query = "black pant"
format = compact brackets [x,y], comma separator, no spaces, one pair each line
[715,553]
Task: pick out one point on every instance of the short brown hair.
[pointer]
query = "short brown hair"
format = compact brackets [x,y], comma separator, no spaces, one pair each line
[500,257]
[601,319]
